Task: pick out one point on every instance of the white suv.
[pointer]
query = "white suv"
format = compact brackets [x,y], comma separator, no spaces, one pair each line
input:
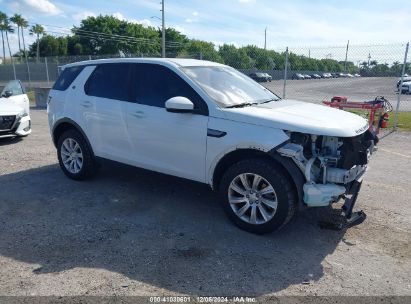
[209,123]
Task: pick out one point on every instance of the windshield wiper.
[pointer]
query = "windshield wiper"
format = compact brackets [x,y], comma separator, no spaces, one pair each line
[269,100]
[242,105]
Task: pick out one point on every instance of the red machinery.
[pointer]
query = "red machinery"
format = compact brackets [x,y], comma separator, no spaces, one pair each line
[378,107]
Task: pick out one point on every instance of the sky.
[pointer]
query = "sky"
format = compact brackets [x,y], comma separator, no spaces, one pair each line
[309,26]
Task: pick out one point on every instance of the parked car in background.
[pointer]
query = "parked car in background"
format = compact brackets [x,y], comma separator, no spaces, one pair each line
[207,122]
[348,75]
[326,75]
[406,88]
[14,111]
[334,75]
[315,76]
[306,76]
[298,76]
[261,77]
[405,79]
[357,75]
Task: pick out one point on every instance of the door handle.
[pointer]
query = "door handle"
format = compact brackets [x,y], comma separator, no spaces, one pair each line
[86,104]
[139,114]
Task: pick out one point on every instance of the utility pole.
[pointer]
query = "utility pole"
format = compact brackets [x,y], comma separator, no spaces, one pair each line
[346,54]
[163,36]
[265,38]
[400,87]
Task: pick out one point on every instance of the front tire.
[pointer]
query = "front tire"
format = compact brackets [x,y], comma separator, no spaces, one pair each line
[257,196]
[75,156]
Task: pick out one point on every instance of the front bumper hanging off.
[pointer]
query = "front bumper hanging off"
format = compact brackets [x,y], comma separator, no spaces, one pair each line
[346,218]
[353,218]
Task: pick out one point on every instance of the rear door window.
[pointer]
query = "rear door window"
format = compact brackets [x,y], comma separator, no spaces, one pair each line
[67,77]
[110,80]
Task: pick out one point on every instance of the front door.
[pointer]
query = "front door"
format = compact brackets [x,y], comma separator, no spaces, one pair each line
[172,143]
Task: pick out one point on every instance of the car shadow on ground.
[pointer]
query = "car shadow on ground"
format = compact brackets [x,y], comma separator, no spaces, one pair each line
[152,228]
[5,141]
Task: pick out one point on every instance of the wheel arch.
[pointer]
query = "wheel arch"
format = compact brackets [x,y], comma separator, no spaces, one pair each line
[65,124]
[283,163]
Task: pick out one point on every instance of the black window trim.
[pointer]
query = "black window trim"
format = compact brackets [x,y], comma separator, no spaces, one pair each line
[128,85]
[197,110]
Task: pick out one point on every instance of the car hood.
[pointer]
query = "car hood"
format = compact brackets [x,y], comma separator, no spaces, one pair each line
[9,108]
[301,117]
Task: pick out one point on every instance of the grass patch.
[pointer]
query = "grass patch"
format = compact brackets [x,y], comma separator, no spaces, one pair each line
[32,97]
[404,119]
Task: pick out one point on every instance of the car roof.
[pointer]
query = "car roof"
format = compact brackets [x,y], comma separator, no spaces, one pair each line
[177,62]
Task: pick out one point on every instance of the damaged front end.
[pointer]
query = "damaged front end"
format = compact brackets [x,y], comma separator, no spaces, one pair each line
[333,167]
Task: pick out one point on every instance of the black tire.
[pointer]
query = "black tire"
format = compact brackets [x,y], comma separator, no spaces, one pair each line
[89,165]
[284,190]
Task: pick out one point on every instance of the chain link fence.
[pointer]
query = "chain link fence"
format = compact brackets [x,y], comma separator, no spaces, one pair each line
[312,74]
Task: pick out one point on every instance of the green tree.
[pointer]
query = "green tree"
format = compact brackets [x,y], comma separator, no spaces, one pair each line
[50,46]
[200,49]
[373,63]
[37,30]
[23,24]
[175,41]
[19,21]
[237,58]
[260,58]
[109,35]
[6,28]
[396,68]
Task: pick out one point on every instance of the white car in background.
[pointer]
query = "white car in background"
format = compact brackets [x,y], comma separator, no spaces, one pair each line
[406,87]
[404,80]
[14,111]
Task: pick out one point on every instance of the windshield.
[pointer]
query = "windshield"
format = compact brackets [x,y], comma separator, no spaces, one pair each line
[229,87]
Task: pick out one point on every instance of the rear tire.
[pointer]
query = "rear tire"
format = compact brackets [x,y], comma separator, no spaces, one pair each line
[257,209]
[75,156]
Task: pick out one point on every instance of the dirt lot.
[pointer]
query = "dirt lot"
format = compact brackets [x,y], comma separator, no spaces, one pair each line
[357,89]
[133,232]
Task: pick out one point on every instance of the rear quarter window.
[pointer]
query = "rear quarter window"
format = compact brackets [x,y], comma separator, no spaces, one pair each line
[67,77]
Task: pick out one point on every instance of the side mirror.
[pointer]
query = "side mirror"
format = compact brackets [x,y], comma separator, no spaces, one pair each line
[7,94]
[179,104]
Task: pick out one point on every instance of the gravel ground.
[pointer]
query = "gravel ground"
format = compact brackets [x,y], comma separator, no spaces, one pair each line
[133,232]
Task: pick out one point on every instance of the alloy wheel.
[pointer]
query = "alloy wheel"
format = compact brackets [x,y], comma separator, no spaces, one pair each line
[252,198]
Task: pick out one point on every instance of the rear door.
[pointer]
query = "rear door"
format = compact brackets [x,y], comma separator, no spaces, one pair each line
[18,95]
[106,92]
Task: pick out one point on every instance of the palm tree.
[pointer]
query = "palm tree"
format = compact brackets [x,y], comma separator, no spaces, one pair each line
[6,28]
[3,18]
[18,20]
[23,24]
[373,62]
[37,30]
